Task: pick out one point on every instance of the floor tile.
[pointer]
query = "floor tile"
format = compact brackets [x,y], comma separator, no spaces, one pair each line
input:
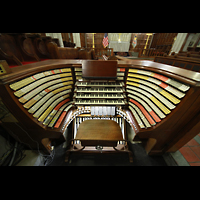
[179,159]
[192,142]
[196,150]
[195,164]
[188,154]
[197,138]
[140,158]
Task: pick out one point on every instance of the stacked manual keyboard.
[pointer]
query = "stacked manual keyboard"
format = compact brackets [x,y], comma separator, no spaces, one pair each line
[101,95]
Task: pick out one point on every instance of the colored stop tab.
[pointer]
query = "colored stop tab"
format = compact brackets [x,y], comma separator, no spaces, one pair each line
[160,77]
[151,121]
[163,85]
[60,119]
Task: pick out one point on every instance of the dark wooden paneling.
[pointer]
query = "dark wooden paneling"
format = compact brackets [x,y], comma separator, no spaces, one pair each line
[163,39]
[98,38]
[82,37]
[99,69]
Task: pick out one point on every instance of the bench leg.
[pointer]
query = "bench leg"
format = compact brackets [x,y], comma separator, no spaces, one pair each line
[67,156]
[130,154]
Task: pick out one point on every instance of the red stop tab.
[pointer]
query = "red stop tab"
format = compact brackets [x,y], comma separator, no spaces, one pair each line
[163,85]
[160,77]
[60,104]
[60,119]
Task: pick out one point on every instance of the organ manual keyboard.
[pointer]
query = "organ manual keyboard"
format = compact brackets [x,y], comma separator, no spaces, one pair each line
[43,104]
[99,94]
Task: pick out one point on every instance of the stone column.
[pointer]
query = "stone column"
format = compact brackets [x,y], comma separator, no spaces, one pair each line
[77,39]
[180,38]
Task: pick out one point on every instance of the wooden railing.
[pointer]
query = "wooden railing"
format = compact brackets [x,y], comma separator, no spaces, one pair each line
[152,52]
[102,51]
[189,54]
[192,64]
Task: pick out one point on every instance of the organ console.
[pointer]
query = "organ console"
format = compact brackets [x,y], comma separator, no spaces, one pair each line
[44,103]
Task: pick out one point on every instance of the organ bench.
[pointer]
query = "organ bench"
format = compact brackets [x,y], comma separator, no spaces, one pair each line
[44,103]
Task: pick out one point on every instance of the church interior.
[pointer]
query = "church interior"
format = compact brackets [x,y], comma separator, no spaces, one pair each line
[99,99]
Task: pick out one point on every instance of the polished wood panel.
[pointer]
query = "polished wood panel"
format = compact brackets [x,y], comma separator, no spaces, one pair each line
[107,134]
[99,69]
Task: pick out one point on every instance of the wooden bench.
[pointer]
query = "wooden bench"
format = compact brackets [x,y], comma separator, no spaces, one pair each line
[12,49]
[99,136]
[68,52]
[181,62]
